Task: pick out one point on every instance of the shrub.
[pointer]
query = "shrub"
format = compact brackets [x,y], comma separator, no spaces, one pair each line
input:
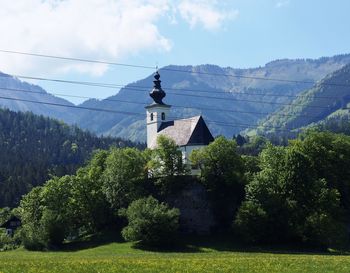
[249,221]
[150,222]
[8,242]
[32,238]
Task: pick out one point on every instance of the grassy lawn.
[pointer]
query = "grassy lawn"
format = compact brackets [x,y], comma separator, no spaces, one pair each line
[213,257]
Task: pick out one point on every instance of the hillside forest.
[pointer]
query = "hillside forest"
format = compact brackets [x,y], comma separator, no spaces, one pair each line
[34,148]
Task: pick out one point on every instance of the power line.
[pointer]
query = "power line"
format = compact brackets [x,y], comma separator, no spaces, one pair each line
[72,106]
[95,84]
[108,85]
[239,125]
[76,59]
[142,88]
[104,85]
[230,92]
[142,103]
[167,69]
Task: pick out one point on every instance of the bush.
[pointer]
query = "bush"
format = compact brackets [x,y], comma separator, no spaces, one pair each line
[150,222]
[8,242]
[46,233]
[54,229]
[32,238]
[250,222]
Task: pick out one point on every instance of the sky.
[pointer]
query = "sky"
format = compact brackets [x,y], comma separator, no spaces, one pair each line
[235,33]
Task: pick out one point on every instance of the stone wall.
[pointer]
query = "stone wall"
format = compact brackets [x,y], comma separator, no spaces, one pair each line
[196,211]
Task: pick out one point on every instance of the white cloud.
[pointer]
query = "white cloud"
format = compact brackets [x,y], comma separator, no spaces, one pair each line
[104,29]
[205,13]
[93,29]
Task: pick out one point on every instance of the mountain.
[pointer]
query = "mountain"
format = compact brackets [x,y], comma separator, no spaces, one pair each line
[34,147]
[325,106]
[11,87]
[230,100]
[235,109]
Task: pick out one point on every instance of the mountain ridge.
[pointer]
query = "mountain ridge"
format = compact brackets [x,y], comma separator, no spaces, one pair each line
[14,88]
[239,107]
[234,86]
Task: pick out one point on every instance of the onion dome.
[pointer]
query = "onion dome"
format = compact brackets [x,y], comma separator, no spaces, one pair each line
[157,93]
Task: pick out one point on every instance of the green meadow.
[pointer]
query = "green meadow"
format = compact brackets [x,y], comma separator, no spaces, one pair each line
[124,257]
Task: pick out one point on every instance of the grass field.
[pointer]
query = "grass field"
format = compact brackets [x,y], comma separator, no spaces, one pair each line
[122,257]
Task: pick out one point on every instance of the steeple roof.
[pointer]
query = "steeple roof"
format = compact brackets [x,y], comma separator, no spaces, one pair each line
[157,93]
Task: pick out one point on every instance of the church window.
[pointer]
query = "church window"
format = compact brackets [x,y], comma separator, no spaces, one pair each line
[151,116]
[163,116]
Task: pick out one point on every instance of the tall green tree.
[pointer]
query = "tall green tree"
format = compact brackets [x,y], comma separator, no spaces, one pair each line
[123,177]
[330,158]
[31,212]
[287,201]
[222,173]
[88,204]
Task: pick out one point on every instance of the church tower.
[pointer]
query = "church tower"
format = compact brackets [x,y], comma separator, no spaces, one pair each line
[157,112]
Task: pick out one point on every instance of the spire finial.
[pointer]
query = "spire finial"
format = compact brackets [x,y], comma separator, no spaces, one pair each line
[157,94]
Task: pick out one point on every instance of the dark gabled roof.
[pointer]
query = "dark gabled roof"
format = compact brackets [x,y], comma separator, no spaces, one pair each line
[190,131]
[201,134]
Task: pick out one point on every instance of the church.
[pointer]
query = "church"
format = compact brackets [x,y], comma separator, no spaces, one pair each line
[189,134]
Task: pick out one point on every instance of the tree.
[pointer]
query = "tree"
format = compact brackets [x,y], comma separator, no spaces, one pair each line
[167,167]
[123,176]
[151,222]
[46,214]
[219,162]
[329,154]
[31,212]
[167,159]
[262,216]
[254,145]
[5,214]
[88,204]
[286,201]
[222,173]
[56,220]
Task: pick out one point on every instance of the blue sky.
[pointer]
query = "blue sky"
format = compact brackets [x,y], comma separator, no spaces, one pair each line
[236,33]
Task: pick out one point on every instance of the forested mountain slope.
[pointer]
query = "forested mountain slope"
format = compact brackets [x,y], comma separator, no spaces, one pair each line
[33,147]
[324,106]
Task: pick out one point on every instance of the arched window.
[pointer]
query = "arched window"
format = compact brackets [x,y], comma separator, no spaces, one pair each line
[151,116]
[163,116]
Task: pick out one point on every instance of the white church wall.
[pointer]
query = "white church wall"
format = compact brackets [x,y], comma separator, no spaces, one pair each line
[154,120]
[186,151]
